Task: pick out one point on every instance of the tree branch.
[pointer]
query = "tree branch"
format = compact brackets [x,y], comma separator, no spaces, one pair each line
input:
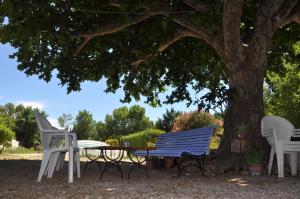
[106,29]
[179,34]
[196,5]
[232,13]
[283,12]
[201,33]
[294,16]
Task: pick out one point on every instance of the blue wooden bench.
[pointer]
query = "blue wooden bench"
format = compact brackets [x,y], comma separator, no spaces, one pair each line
[192,143]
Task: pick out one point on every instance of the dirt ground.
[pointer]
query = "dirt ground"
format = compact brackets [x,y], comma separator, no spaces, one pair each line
[18,180]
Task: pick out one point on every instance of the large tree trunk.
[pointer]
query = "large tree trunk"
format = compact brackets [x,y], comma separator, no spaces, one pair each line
[245,105]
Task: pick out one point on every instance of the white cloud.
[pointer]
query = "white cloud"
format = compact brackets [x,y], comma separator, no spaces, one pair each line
[53,122]
[33,104]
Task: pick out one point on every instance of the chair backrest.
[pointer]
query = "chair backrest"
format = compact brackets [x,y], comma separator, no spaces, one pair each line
[44,125]
[194,140]
[283,128]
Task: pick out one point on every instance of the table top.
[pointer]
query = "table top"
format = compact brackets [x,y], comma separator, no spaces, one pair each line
[128,148]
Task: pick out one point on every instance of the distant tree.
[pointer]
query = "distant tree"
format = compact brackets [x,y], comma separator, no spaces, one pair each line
[7,115]
[166,122]
[5,137]
[26,128]
[65,120]
[102,134]
[84,125]
[124,121]
[282,97]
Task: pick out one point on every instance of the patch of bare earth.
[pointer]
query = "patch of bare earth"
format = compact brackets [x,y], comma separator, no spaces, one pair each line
[18,180]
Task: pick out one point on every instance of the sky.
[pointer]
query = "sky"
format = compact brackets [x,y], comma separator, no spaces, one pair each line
[17,88]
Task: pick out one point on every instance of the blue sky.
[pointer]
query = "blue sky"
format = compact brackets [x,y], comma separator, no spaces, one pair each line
[17,88]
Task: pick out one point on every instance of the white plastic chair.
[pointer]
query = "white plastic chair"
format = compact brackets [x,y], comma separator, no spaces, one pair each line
[278,131]
[55,144]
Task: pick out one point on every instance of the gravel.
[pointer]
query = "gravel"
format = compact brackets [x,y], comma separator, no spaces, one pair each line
[18,180]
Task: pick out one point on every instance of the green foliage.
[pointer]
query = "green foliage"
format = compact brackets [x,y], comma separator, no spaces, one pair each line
[7,115]
[112,142]
[254,156]
[27,132]
[166,122]
[65,120]
[5,136]
[21,120]
[84,126]
[51,27]
[199,119]
[143,138]
[123,121]
[282,97]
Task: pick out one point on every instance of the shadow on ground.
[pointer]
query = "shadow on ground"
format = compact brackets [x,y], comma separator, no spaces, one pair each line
[18,180]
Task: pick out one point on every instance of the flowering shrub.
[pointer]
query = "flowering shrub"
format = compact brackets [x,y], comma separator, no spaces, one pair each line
[199,119]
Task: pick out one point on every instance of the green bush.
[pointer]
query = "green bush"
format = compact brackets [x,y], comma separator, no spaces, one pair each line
[199,119]
[142,138]
[112,142]
[5,136]
[254,156]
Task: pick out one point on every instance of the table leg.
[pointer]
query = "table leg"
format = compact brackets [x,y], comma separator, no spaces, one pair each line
[92,160]
[112,162]
[138,164]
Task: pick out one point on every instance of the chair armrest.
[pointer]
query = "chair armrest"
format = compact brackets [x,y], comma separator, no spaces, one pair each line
[54,131]
[268,132]
[296,133]
[73,137]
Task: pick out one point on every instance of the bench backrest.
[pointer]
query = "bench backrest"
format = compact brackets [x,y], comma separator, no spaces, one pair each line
[195,140]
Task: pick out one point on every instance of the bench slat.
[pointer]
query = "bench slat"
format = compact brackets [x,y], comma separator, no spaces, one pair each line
[190,142]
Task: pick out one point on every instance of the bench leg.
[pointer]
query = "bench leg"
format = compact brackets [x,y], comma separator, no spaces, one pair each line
[200,160]
[201,163]
[178,162]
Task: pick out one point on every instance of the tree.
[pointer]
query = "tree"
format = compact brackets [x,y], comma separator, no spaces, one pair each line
[26,128]
[84,125]
[65,120]
[6,135]
[166,122]
[147,45]
[124,121]
[282,96]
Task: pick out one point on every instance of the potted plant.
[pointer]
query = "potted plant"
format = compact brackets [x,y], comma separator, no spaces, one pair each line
[255,159]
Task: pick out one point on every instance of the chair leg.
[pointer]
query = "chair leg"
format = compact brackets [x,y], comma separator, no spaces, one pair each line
[78,164]
[44,164]
[61,161]
[293,163]
[71,165]
[280,160]
[53,165]
[271,160]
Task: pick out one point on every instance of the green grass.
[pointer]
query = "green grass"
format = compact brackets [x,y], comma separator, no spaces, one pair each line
[19,150]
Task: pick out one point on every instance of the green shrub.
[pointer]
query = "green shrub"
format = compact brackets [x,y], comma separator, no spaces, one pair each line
[199,119]
[5,137]
[142,138]
[112,142]
[254,156]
